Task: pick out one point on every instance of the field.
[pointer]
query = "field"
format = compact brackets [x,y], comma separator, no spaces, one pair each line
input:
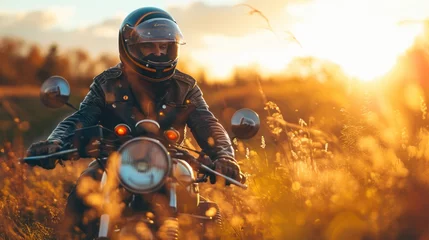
[331,161]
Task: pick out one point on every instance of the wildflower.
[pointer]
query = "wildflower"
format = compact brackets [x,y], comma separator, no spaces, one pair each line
[263,145]
[423,108]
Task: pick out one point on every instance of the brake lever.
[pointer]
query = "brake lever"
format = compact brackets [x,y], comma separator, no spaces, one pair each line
[202,179]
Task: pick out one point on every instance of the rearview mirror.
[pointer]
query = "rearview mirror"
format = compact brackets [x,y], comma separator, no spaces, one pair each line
[245,123]
[55,92]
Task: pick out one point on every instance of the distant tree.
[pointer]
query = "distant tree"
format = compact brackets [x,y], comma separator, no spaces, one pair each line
[184,64]
[314,69]
[243,75]
[63,68]
[50,66]
[10,55]
[236,76]
[108,60]
[101,63]
[202,78]
[34,56]
[32,63]
[81,60]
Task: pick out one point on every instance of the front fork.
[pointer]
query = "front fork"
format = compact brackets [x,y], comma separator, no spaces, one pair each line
[173,197]
[104,219]
[170,227]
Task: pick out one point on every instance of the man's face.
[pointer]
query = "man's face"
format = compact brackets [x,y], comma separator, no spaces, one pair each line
[155,48]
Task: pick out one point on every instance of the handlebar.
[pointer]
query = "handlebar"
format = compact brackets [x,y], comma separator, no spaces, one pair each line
[203,163]
[59,154]
[62,155]
[233,181]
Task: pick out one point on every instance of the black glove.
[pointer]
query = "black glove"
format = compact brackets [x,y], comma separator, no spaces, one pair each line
[44,148]
[228,168]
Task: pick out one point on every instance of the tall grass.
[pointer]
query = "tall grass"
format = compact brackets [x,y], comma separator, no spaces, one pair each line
[370,182]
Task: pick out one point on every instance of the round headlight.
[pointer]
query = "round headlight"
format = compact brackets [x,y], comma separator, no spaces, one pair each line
[144,165]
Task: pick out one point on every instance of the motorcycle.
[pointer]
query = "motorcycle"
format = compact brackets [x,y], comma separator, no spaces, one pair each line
[150,172]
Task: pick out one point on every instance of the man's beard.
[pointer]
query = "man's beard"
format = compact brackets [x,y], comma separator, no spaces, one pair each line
[163,58]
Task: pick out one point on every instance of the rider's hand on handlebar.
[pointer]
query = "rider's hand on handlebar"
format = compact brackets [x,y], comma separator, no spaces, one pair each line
[227,167]
[44,148]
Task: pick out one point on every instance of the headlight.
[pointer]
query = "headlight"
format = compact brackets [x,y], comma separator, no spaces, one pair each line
[144,165]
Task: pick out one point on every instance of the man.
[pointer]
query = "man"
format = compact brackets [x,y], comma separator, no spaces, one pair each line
[145,85]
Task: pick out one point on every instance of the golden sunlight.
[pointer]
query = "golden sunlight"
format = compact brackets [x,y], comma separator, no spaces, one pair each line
[261,48]
[363,37]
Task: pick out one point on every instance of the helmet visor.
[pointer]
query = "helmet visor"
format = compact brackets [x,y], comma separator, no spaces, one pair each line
[156,40]
[156,30]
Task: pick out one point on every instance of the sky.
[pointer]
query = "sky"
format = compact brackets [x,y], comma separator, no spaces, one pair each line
[364,37]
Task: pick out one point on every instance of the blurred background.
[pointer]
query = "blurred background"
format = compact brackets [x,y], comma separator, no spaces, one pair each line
[341,87]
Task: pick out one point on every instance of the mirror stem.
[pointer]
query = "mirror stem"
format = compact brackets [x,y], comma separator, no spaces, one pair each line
[68,104]
[190,149]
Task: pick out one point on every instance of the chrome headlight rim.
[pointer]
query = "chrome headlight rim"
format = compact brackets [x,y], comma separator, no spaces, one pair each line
[166,174]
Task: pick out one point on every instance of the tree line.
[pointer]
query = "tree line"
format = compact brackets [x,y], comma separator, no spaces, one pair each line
[28,64]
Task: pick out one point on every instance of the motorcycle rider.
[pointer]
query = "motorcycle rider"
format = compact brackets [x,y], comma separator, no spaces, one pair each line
[144,85]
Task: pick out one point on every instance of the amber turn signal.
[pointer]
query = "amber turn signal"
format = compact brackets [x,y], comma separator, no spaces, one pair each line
[172,135]
[122,130]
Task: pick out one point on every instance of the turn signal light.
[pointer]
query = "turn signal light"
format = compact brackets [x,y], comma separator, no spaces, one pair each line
[172,135]
[122,130]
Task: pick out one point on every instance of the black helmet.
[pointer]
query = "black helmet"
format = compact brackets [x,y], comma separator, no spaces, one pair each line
[154,28]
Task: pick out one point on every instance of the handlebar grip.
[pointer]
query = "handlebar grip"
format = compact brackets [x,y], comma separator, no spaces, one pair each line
[59,154]
[233,181]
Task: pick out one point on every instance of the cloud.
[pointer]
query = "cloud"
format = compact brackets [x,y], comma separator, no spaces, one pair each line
[196,21]
[200,19]
[107,29]
[25,21]
[39,19]
[42,27]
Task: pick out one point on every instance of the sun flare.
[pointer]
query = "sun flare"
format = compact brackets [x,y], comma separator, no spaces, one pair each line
[363,37]
[259,49]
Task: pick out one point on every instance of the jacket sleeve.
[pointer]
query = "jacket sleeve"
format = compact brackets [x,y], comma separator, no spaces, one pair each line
[89,113]
[206,129]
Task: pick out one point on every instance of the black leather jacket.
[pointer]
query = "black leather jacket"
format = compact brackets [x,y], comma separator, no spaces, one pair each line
[110,101]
